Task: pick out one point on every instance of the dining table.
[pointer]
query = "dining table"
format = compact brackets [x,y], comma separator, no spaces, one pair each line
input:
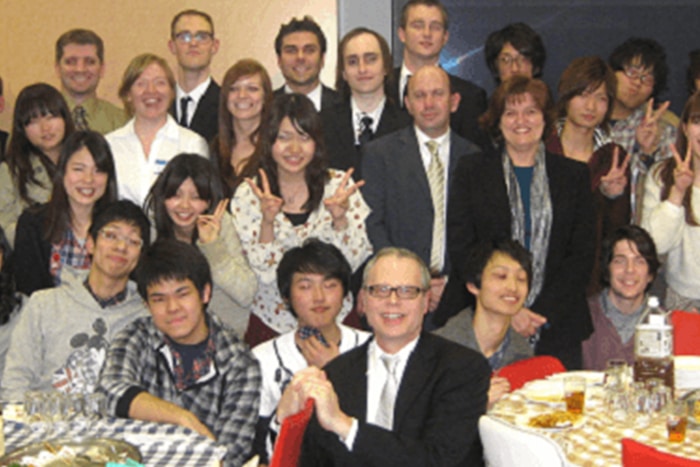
[596,439]
[159,444]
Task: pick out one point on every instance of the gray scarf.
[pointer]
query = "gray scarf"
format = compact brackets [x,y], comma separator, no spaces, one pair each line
[540,216]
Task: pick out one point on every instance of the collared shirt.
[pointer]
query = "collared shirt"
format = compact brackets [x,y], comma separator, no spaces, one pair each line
[357,115]
[314,95]
[101,116]
[403,81]
[69,251]
[114,300]
[195,95]
[226,402]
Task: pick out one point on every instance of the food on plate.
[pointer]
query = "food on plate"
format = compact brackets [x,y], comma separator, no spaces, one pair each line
[558,419]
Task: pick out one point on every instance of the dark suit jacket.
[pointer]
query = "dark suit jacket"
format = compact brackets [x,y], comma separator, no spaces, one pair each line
[397,190]
[3,144]
[441,396]
[479,211]
[32,252]
[339,134]
[205,120]
[329,97]
[464,120]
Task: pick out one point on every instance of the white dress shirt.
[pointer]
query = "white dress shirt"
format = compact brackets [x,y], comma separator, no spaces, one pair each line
[195,95]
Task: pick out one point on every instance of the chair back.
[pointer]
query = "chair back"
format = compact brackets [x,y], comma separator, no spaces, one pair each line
[686,332]
[636,454]
[522,371]
[506,445]
[288,445]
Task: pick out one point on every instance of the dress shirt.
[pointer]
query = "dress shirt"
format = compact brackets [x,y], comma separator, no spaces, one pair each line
[195,95]
[101,116]
[357,114]
[403,81]
[314,95]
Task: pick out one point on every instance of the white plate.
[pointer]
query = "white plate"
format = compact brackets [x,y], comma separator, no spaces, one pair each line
[593,378]
[544,392]
[524,421]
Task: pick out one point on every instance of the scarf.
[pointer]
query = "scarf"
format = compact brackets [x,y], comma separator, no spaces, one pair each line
[540,216]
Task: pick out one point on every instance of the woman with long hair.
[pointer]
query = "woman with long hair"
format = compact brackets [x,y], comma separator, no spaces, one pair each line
[187,204]
[40,124]
[671,211]
[294,197]
[246,96]
[152,137]
[52,236]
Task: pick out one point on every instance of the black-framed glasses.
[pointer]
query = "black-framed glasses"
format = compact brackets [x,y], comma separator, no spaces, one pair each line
[200,36]
[634,72]
[509,60]
[404,292]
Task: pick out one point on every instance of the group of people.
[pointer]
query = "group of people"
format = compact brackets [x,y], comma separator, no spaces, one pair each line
[333,230]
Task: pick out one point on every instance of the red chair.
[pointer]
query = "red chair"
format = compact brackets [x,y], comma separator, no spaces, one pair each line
[636,454]
[686,332]
[288,444]
[522,371]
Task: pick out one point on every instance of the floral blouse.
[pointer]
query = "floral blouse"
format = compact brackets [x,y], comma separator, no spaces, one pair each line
[264,257]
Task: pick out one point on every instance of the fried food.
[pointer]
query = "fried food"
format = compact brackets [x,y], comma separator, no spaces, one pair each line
[558,419]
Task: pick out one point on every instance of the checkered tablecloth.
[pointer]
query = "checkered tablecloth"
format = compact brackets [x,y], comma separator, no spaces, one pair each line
[596,442]
[160,444]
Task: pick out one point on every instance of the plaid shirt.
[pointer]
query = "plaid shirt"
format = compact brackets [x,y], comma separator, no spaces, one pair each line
[68,252]
[226,400]
[623,132]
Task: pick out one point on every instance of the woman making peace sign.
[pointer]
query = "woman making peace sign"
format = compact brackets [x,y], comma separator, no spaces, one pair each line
[293,198]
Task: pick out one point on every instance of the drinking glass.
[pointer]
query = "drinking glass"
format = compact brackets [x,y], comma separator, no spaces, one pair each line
[640,402]
[95,408]
[618,405]
[615,372]
[35,412]
[574,394]
[676,421]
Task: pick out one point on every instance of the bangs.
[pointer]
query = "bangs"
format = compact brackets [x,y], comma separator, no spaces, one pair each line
[35,110]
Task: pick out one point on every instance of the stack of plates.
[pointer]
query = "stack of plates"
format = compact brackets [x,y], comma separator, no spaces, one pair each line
[687,370]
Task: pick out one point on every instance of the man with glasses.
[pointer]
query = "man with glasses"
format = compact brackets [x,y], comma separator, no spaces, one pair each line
[192,41]
[643,131]
[424,32]
[408,398]
[80,66]
[62,334]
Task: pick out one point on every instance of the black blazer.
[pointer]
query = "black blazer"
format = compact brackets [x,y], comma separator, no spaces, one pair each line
[205,120]
[339,134]
[464,120]
[441,396]
[479,211]
[329,97]
[397,190]
[32,252]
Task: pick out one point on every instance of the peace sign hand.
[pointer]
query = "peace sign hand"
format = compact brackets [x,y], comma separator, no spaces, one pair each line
[339,203]
[614,182]
[270,205]
[209,225]
[648,132]
[682,174]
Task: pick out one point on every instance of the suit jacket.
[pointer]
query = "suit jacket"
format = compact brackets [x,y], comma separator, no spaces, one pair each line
[3,144]
[397,190]
[32,252]
[205,120]
[479,211]
[339,134]
[441,396]
[329,97]
[464,120]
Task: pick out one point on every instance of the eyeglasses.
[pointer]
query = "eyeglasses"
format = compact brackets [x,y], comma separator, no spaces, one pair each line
[112,236]
[404,292]
[187,36]
[634,73]
[509,60]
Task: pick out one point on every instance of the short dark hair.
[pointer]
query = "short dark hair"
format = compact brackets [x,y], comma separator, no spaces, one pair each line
[190,12]
[122,211]
[524,39]
[341,85]
[306,24]
[480,256]
[313,257]
[169,259]
[80,37]
[651,55]
[586,74]
[691,74]
[430,3]
[641,239]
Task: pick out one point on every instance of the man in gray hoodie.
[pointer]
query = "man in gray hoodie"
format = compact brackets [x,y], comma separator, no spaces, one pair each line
[62,335]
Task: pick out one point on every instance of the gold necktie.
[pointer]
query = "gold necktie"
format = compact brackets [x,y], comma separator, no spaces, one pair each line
[436,180]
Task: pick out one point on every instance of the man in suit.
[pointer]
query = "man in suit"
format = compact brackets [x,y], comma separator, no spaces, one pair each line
[423,32]
[404,398]
[301,51]
[408,204]
[364,113]
[192,42]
